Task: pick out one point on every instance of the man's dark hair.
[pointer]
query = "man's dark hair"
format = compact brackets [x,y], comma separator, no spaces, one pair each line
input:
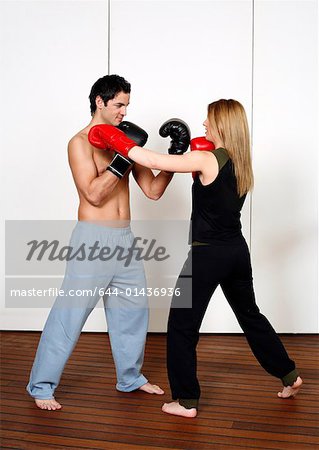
[107,88]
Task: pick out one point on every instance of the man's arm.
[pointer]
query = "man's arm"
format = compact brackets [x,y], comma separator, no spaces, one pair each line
[93,187]
[152,186]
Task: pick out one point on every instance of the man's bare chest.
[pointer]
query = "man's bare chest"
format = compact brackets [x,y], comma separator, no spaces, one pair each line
[102,159]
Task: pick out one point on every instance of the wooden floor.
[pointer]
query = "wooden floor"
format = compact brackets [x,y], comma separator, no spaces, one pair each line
[239,407]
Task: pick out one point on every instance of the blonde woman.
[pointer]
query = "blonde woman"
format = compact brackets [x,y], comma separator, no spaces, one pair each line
[222,170]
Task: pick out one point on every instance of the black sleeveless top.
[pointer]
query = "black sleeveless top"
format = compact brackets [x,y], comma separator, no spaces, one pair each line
[216,207]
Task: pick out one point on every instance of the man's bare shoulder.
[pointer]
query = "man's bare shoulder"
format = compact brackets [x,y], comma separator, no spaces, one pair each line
[79,142]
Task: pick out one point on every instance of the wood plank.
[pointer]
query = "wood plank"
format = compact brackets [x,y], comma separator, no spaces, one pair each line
[238,409]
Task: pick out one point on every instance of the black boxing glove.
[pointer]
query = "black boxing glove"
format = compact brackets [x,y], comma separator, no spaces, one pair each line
[134,132]
[120,164]
[179,133]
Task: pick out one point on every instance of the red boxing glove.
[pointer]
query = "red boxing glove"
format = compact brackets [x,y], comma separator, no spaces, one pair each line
[109,137]
[201,144]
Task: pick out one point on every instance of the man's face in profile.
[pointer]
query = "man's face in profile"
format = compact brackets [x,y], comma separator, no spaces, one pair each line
[115,110]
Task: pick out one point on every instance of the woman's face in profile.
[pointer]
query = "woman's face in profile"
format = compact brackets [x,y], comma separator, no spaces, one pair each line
[208,130]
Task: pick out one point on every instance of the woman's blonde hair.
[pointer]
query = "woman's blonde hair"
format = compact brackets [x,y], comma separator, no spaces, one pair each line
[228,119]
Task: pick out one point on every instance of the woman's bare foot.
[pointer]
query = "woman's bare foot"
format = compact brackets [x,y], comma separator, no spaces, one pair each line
[291,391]
[151,389]
[177,410]
[50,404]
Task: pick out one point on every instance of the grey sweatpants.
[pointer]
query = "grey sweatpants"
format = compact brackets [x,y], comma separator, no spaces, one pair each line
[125,305]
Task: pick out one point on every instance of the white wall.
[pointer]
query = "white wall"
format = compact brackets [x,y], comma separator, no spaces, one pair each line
[285,138]
[51,53]
[179,56]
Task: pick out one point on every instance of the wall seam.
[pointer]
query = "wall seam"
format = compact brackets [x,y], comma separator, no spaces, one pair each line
[108,36]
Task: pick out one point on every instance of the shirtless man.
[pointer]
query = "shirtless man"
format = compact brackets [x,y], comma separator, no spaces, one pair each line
[102,181]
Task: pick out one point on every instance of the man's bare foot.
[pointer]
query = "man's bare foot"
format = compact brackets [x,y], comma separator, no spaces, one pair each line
[151,389]
[291,391]
[50,405]
[178,410]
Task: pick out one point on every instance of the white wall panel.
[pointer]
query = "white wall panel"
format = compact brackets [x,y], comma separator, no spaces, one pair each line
[180,56]
[285,203]
[51,53]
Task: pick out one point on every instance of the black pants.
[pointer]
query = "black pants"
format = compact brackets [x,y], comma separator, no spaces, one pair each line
[210,265]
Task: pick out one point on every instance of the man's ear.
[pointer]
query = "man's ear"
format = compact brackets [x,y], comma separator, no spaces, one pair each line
[99,102]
